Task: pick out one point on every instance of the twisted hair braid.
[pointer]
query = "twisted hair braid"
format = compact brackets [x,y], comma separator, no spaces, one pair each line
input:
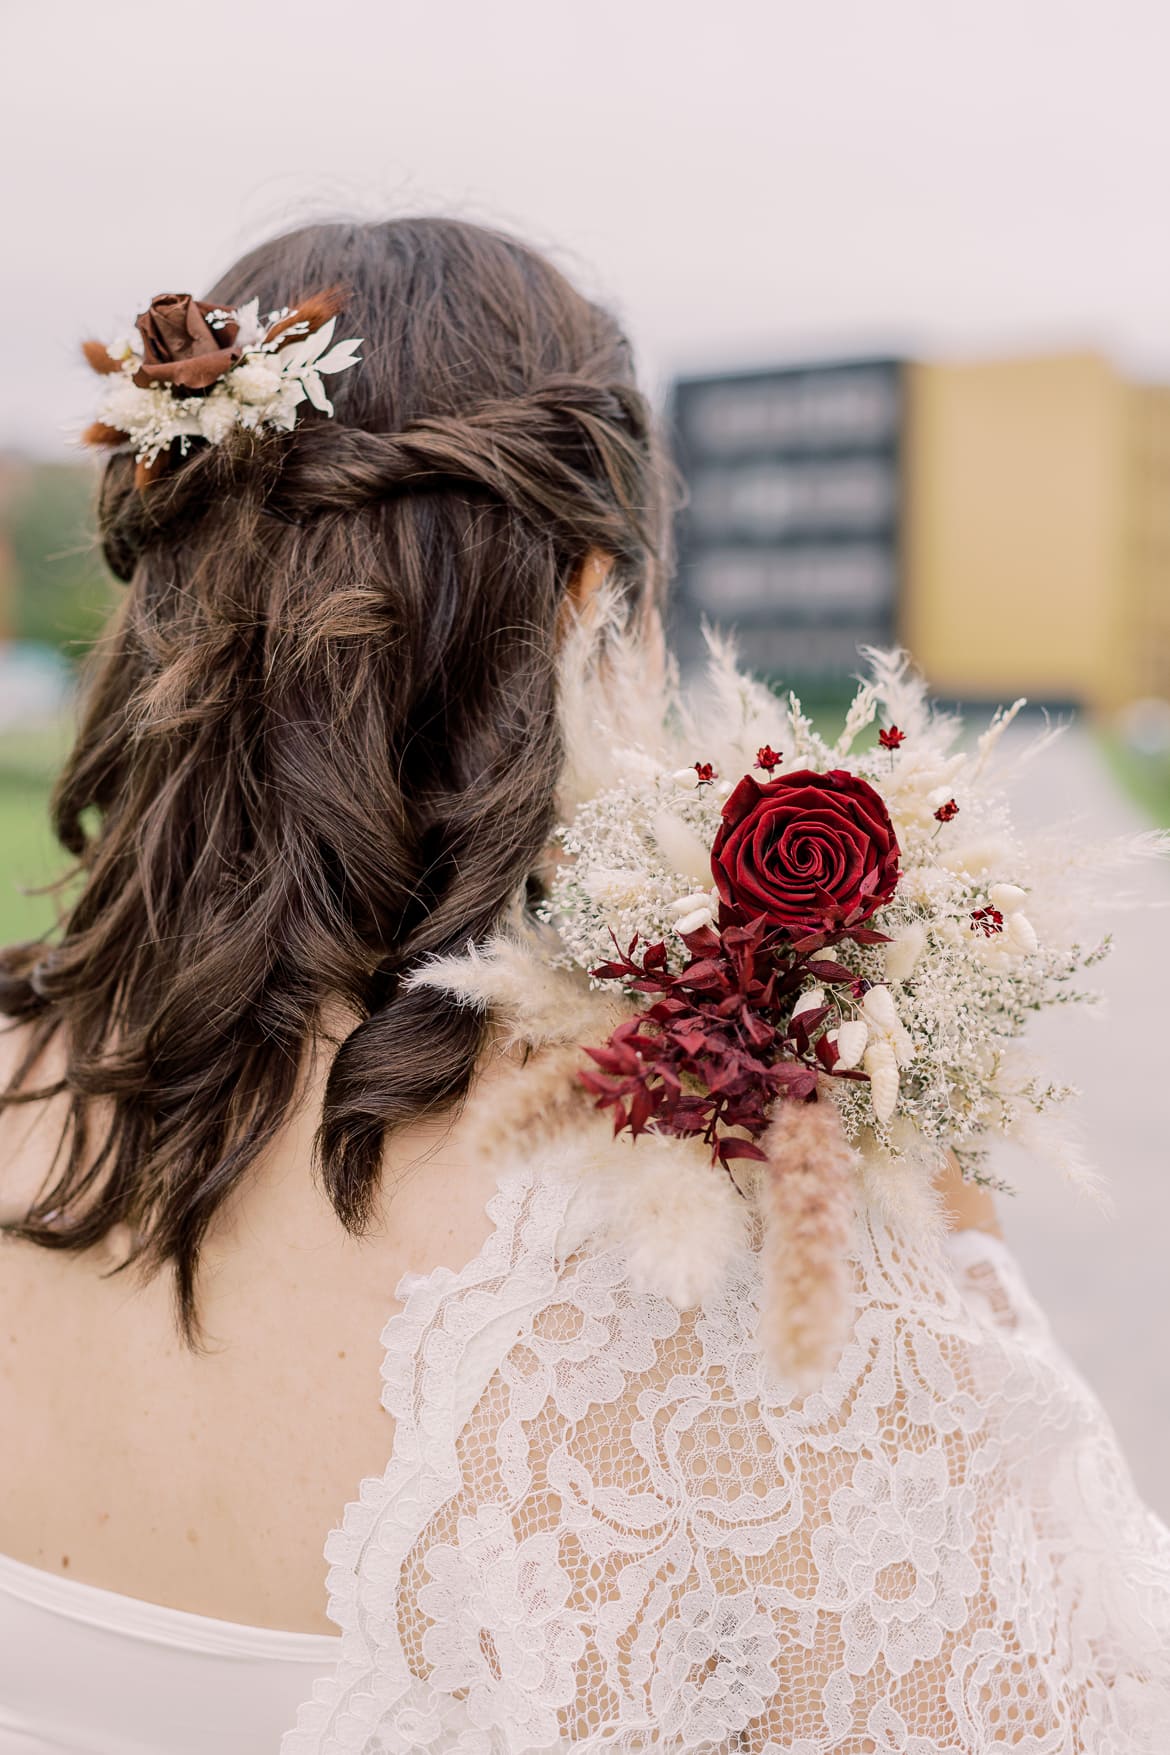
[320,739]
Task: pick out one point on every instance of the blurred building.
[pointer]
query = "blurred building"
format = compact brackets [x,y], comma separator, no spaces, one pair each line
[794,523]
[1008,521]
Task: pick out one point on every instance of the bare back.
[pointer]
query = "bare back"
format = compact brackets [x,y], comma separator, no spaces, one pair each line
[182,1477]
[208,1481]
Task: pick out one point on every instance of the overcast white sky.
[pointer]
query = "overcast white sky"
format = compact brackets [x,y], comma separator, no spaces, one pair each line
[743,179]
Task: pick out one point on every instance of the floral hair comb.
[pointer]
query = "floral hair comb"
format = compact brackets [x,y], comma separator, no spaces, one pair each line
[193,370]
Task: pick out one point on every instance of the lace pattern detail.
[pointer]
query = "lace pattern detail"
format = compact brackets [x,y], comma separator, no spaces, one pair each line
[603,1526]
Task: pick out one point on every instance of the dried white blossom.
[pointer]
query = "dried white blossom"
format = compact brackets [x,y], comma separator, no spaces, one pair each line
[1021,934]
[850,1040]
[881,1016]
[881,1064]
[692,922]
[256,379]
[810,1000]
[685,851]
[263,389]
[905,950]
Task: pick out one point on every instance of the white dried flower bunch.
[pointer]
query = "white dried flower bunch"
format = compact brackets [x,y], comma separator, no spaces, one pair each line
[272,378]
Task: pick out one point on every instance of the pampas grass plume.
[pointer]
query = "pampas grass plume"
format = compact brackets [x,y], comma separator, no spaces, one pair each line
[531,1002]
[806,1193]
[527,1106]
[608,699]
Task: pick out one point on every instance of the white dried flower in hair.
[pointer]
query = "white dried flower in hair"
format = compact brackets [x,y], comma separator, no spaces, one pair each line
[257,380]
[128,405]
[674,1215]
[612,888]
[217,417]
[977,856]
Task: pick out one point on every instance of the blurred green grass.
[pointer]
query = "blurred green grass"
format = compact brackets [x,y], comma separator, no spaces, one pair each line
[1145,777]
[54,593]
[29,855]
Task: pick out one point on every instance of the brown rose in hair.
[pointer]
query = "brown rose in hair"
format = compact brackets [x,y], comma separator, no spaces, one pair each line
[179,346]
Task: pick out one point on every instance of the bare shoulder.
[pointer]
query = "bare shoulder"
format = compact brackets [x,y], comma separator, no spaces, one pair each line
[966,1207]
[29,1132]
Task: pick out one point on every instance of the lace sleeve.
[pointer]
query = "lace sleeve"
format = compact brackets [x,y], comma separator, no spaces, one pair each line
[604,1528]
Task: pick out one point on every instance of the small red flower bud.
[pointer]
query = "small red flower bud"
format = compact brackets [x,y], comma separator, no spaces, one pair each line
[946,813]
[705,771]
[891,738]
[767,758]
[988,921]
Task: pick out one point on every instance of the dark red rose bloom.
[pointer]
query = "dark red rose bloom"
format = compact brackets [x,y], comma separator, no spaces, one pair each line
[705,771]
[946,813]
[180,347]
[890,739]
[767,758]
[804,845]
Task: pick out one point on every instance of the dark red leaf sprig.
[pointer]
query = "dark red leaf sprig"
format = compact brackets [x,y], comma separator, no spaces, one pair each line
[719,1045]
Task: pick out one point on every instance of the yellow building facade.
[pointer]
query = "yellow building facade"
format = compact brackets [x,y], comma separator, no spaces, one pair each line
[1036,530]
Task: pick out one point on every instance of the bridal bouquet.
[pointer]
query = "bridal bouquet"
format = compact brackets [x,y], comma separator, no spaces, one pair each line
[816,919]
[795,972]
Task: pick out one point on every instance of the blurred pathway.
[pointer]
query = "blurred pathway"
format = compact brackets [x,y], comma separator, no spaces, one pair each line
[1105,1281]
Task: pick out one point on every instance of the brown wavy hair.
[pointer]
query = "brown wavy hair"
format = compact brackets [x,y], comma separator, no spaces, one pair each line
[320,738]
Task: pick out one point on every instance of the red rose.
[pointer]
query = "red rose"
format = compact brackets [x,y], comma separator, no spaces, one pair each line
[804,845]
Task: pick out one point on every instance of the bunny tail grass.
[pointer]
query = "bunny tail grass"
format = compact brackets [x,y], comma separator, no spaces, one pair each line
[676,1217]
[806,1195]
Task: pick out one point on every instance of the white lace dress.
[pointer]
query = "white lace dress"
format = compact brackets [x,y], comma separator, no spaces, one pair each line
[604,1528]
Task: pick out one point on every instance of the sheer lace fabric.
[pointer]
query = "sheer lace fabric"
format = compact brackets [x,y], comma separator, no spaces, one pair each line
[605,1527]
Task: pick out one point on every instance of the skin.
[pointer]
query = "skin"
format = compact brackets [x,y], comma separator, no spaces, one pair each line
[184,1478]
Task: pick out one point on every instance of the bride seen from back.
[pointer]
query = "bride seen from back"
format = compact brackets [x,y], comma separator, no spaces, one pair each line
[378,504]
[319,742]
